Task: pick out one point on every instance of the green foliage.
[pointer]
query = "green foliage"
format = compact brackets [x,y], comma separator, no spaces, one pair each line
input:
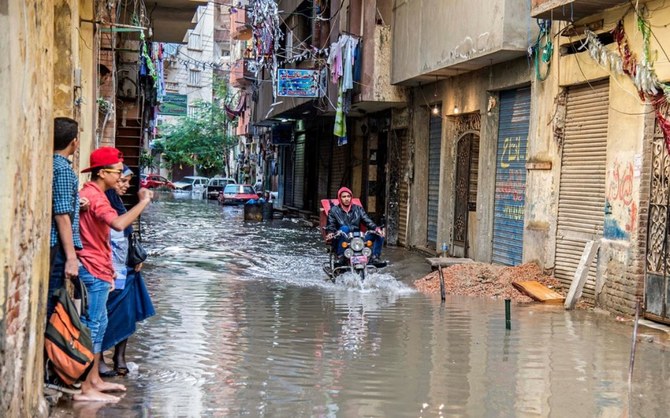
[200,140]
[148,161]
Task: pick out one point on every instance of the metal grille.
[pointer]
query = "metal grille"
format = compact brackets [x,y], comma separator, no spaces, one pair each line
[581,198]
[434,149]
[299,172]
[403,201]
[338,169]
[658,237]
[511,177]
[288,176]
[467,165]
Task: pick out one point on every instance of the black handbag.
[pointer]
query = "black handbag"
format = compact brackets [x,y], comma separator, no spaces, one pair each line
[136,253]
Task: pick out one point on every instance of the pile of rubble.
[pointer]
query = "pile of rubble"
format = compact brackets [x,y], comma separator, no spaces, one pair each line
[486,280]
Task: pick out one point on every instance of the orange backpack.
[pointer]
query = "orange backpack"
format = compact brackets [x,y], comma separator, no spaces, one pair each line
[68,341]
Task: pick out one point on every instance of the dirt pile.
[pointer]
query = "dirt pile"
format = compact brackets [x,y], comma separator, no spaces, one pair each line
[486,280]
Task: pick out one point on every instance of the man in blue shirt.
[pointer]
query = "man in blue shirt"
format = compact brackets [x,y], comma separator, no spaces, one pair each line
[65,208]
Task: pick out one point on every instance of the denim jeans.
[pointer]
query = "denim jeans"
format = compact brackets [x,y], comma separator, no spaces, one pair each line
[98,291]
[56,276]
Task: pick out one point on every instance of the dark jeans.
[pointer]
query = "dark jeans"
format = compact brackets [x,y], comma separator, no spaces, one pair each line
[377,243]
[56,276]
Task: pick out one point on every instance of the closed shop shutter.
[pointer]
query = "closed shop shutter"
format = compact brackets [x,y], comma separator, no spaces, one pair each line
[403,201]
[434,149]
[299,173]
[324,167]
[511,177]
[338,169]
[288,176]
[581,199]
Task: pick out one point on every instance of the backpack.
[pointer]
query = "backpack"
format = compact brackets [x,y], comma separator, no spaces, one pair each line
[68,341]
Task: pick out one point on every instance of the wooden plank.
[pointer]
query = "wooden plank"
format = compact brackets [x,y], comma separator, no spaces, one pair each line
[581,274]
[436,262]
[538,291]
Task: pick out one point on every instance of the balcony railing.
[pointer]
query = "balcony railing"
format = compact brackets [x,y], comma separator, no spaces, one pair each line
[240,76]
[240,28]
[571,10]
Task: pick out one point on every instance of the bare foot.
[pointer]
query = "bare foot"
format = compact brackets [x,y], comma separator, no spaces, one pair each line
[103,386]
[92,395]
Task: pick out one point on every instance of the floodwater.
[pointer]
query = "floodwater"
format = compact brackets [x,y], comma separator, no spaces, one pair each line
[246,325]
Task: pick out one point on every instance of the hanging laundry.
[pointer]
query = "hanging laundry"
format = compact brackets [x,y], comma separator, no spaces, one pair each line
[348,51]
[340,127]
[335,60]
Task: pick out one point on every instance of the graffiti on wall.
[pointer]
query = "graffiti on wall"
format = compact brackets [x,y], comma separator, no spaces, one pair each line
[620,207]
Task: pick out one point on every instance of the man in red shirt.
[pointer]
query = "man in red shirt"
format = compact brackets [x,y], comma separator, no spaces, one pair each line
[95,269]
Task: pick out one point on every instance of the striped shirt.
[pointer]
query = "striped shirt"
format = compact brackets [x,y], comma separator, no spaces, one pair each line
[65,198]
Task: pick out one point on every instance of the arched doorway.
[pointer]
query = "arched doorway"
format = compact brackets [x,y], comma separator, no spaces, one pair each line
[465,209]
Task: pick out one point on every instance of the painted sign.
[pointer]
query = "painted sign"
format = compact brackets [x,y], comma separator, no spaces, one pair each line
[297,83]
[174,105]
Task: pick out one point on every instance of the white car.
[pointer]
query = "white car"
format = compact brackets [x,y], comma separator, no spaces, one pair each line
[195,185]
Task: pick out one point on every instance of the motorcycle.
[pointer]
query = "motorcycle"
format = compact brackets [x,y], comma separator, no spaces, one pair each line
[356,258]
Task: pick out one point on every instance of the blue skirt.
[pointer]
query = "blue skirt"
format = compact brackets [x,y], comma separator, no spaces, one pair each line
[125,308]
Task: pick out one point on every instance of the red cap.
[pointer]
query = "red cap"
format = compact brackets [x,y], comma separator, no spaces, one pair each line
[104,156]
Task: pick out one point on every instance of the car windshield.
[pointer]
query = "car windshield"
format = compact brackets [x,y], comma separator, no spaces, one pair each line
[248,190]
[231,188]
[186,180]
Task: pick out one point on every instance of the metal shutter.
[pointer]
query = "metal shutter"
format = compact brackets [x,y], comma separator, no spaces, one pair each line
[434,149]
[299,173]
[338,169]
[403,203]
[288,176]
[581,199]
[511,177]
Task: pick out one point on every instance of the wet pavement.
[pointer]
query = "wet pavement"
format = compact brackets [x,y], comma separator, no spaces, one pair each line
[247,325]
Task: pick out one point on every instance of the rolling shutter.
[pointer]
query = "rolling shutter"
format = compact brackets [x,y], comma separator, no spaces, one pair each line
[581,199]
[403,200]
[338,169]
[299,173]
[511,177]
[434,149]
[288,176]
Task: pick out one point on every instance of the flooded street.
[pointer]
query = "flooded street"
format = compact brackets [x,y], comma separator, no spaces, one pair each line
[246,325]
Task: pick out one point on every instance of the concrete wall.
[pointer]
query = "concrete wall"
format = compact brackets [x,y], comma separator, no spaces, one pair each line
[26,121]
[429,35]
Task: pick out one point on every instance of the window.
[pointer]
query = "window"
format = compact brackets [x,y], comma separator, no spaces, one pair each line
[192,110]
[194,41]
[194,77]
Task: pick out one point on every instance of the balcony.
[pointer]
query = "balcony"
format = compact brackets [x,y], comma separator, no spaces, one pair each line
[376,85]
[240,29]
[172,18]
[448,38]
[240,76]
[571,10]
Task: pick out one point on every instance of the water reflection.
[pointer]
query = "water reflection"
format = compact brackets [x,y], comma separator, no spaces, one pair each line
[247,326]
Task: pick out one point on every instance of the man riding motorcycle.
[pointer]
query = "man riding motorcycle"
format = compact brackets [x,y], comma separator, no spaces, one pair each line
[347,217]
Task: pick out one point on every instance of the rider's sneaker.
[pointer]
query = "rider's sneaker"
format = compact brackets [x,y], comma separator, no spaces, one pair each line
[377,262]
[340,261]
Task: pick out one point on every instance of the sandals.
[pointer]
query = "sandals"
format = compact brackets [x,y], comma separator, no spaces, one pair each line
[109,373]
[121,371]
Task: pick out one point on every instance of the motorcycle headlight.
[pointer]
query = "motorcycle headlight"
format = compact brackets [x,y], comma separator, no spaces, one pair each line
[367,252]
[357,244]
[348,252]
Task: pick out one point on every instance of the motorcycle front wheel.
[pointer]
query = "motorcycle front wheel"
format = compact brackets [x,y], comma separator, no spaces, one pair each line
[361,273]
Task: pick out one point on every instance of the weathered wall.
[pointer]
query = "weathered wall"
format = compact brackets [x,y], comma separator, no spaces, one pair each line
[470,93]
[430,35]
[630,127]
[26,119]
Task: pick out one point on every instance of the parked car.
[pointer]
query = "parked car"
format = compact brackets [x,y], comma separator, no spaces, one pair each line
[196,185]
[216,185]
[235,194]
[155,181]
